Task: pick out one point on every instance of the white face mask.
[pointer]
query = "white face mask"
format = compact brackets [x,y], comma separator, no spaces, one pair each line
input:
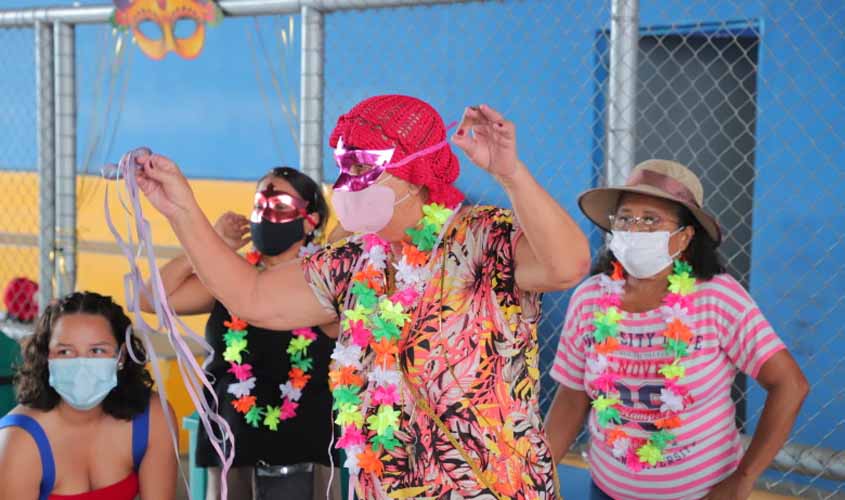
[642,254]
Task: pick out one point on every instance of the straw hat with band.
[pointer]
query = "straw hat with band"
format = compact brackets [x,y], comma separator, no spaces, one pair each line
[664,179]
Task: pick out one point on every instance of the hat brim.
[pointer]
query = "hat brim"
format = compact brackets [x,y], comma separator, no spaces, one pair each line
[597,204]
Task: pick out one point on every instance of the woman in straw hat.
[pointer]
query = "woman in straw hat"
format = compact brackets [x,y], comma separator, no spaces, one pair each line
[435,378]
[650,347]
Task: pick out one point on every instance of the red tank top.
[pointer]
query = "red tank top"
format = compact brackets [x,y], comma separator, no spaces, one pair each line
[126,489]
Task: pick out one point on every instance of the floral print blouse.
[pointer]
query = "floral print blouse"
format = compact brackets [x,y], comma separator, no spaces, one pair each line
[471,353]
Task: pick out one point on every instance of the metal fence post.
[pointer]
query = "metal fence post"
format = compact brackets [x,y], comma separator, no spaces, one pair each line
[65,103]
[46,160]
[622,105]
[311,94]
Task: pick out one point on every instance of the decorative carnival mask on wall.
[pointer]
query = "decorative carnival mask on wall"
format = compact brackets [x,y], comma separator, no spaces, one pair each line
[166,15]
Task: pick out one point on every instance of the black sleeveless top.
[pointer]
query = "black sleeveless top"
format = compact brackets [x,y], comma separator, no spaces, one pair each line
[303,438]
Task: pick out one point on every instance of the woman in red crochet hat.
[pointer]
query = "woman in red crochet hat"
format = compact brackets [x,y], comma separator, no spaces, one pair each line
[435,373]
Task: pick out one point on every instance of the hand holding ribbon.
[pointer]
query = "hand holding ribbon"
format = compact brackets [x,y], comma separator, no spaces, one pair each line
[163,184]
[166,192]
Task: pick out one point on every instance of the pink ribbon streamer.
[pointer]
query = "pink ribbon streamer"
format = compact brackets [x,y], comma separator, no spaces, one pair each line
[194,376]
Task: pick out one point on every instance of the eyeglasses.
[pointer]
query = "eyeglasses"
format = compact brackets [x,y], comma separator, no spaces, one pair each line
[648,223]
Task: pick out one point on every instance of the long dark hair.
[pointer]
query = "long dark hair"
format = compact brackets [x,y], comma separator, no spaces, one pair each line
[702,253]
[307,189]
[134,384]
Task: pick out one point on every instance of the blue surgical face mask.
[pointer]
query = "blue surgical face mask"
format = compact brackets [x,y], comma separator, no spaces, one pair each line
[83,383]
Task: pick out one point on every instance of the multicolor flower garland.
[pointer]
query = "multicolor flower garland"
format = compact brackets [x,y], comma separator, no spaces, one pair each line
[298,377]
[376,324]
[677,311]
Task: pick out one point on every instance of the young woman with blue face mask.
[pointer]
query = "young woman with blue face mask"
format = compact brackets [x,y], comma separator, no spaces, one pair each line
[650,347]
[271,385]
[88,426]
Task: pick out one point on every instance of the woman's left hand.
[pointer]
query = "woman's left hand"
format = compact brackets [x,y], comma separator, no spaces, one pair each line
[489,140]
[733,487]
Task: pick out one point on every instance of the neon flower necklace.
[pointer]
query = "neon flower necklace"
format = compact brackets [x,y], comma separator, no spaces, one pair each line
[375,325]
[677,311]
[237,343]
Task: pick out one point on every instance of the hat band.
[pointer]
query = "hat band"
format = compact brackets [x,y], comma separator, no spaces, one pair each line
[664,183]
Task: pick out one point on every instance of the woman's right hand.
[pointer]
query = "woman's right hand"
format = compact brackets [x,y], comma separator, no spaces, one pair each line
[163,184]
[234,229]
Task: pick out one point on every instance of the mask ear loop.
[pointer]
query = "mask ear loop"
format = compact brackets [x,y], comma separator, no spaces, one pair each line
[309,218]
[673,233]
[311,236]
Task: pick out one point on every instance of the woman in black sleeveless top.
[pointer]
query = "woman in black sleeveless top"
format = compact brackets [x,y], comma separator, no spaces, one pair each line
[272,386]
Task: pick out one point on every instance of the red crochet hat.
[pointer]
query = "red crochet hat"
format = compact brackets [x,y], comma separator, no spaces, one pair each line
[408,125]
[20,299]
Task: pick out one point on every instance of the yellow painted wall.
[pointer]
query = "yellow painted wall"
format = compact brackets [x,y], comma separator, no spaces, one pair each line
[102,271]
[18,215]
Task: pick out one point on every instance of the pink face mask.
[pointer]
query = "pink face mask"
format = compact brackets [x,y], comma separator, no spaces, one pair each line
[365,211]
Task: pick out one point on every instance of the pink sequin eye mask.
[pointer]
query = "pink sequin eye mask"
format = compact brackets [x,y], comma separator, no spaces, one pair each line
[360,168]
[278,206]
[352,162]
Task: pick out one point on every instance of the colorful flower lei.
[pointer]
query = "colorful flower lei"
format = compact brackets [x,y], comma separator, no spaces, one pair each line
[376,324]
[291,391]
[677,311]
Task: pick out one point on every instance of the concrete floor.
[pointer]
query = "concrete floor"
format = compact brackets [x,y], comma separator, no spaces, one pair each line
[575,482]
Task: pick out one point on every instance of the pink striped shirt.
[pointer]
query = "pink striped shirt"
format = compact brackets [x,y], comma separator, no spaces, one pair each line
[730,334]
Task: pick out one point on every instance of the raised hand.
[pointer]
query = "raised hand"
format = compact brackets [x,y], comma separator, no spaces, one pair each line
[234,229]
[489,141]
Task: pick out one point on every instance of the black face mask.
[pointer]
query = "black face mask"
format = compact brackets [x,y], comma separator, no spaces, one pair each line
[273,238]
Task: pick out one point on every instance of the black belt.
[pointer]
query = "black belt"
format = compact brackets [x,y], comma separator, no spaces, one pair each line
[263,470]
[7,380]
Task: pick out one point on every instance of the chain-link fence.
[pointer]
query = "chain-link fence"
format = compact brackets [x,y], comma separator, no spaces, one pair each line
[745,93]
[18,160]
[748,94]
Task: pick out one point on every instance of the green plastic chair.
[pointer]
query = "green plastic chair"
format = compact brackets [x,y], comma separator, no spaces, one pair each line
[10,356]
